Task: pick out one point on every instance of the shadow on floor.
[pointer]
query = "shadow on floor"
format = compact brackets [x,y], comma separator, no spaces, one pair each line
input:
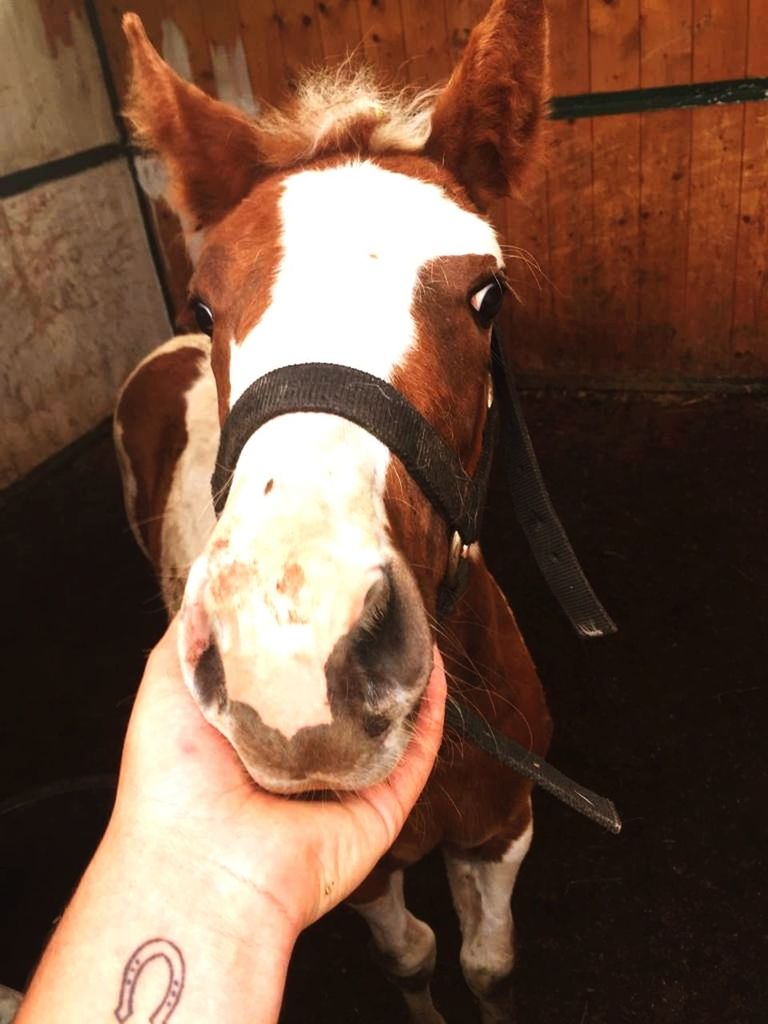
[666,502]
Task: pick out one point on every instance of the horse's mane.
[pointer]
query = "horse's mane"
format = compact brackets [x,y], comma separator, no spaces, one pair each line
[343,109]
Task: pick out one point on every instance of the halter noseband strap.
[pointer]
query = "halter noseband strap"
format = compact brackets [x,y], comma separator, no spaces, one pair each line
[384,412]
[372,404]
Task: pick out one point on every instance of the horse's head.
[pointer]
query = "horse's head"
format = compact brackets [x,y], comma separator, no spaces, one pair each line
[345,229]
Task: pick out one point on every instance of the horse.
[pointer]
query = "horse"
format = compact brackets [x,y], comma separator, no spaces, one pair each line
[347,226]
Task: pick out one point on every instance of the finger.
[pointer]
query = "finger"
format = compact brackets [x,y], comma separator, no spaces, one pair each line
[400,791]
[410,776]
[163,658]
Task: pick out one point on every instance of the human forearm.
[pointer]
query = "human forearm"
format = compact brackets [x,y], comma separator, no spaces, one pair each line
[149,929]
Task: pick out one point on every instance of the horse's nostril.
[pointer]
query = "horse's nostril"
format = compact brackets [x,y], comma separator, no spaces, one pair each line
[378,619]
[209,677]
[375,725]
[376,600]
[375,671]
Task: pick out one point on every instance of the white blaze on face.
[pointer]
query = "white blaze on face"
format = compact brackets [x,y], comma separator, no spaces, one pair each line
[354,239]
[308,489]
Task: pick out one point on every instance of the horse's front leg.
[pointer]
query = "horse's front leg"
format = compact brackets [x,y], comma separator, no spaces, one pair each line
[405,946]
[481,883]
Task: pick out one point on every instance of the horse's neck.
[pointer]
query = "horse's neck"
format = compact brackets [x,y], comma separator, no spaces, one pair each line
[489,664]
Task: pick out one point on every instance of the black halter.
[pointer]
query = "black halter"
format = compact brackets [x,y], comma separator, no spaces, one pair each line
[382,411]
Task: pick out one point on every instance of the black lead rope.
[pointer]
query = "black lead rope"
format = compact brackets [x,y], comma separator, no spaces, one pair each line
[540,523]
[474,728]
[380,409]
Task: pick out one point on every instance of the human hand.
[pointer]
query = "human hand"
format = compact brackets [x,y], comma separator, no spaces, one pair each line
[183,789]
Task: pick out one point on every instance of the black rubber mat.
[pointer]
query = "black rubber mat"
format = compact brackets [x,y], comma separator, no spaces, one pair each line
[666,503]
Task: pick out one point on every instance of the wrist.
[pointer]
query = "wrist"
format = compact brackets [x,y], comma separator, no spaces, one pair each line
[202,883]
[225,946]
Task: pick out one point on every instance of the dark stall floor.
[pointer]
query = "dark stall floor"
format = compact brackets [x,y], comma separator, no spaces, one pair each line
[666,500]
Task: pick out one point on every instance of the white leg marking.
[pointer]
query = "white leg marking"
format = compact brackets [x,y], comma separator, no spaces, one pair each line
[407,944]
[482,891]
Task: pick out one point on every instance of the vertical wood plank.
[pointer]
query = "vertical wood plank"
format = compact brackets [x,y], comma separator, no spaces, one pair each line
[749,338]
[461,17]
[109,16]
[666,42]
[568,193]
[340,32]
[615,64]
[184,36]
[569,46]
[263,50]
[757,43]
[665,160]
[231,77]
[299,36]
[528,271]
[426,41]
[719,51]
[381,24]
[568,345]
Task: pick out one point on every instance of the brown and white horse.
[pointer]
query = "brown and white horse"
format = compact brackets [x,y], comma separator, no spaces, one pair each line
[345,228]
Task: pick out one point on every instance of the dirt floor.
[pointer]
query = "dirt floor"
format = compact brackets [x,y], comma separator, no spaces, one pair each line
[666,502]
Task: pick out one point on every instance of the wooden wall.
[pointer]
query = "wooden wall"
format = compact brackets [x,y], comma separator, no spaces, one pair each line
[640,253]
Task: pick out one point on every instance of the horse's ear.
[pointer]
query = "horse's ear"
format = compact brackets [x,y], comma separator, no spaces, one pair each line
[485,124]
[209,149]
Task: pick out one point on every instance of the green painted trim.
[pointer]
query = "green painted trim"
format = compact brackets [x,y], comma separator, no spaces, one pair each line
[668,97]
[639,384]
[562,108]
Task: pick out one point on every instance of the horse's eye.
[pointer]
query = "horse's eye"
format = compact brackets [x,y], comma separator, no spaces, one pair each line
[204,317]
[486,301]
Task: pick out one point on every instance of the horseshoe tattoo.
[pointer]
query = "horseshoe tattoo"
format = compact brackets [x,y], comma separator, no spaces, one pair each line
[151,950]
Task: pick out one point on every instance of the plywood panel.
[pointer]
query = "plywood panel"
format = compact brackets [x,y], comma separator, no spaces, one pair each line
[52,96]
[84,305]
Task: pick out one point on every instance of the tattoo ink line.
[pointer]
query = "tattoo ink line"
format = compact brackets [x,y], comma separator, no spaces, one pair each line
[151,950]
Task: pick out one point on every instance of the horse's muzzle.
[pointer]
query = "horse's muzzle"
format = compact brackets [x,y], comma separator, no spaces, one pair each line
[298,720]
